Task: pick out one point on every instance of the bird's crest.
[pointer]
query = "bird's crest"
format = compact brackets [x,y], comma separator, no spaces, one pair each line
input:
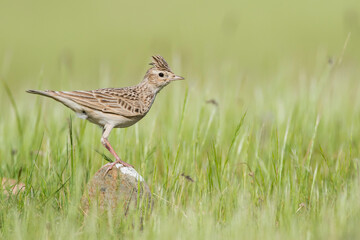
[160,63]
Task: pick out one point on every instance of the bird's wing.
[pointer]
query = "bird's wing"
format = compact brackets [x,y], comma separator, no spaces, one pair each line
[114,101]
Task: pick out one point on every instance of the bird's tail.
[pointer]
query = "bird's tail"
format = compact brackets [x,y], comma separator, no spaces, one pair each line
[55,95]
[47,93]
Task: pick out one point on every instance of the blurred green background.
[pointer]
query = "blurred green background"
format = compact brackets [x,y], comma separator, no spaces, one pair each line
[82,38]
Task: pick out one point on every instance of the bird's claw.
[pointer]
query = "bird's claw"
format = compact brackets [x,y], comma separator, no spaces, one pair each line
[124,164]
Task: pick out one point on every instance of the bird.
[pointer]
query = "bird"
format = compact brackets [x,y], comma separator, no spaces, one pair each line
[112,108]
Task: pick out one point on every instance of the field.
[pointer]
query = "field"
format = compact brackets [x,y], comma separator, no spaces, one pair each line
[266,124]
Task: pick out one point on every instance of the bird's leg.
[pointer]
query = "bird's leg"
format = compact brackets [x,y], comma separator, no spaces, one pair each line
[106,143]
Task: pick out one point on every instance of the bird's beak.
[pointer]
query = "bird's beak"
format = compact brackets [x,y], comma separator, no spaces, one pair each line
[174,78]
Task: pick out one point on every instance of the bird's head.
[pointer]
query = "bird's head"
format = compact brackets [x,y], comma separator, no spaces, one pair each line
[160,74]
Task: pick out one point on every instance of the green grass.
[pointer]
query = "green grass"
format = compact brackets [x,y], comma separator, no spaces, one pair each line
[277,158]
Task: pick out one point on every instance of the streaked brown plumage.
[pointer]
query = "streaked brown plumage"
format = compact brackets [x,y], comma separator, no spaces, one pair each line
[117,107]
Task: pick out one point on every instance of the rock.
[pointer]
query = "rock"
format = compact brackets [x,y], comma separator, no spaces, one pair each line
[122,188]
[12,186]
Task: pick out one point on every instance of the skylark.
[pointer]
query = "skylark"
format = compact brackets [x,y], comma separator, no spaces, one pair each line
[117,107]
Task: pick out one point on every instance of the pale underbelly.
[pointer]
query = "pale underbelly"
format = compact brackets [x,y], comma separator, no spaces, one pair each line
[103,119]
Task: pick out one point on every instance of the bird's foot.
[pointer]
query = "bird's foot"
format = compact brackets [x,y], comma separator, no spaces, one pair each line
[125,164]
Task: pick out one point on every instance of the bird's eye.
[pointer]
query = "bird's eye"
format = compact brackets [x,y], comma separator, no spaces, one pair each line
[161,74]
